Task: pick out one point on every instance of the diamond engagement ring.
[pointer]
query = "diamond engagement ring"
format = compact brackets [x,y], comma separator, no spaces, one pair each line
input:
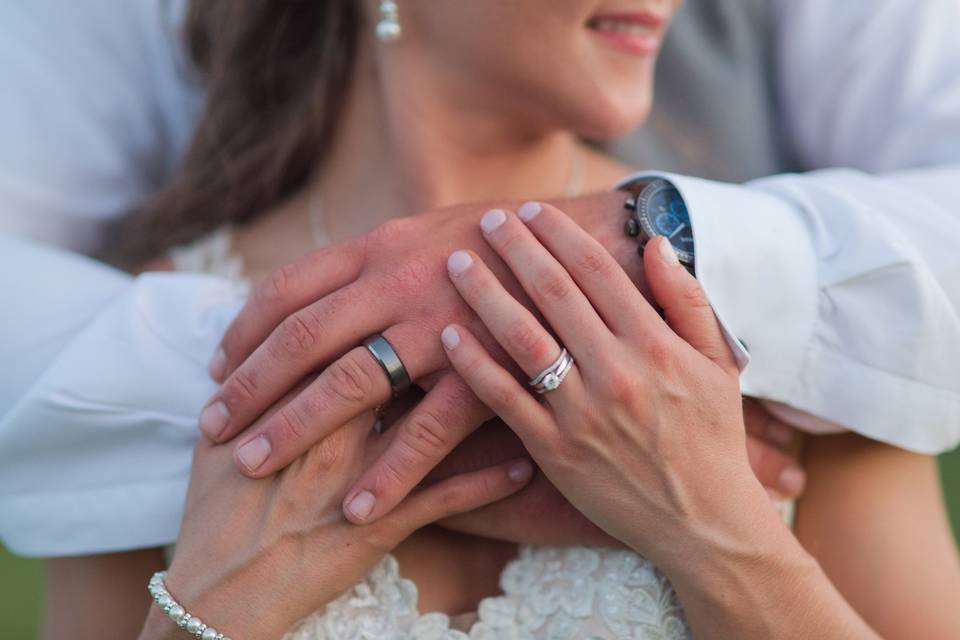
[551,377]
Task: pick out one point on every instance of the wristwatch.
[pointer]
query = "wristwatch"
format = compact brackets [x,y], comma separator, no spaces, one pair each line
[657,209]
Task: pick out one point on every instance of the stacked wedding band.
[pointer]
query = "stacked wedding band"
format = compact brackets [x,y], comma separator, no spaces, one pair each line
[551,377]
[189,623]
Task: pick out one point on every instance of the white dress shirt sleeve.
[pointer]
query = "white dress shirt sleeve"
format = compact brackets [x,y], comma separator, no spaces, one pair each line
[96,107]
[844,283]
[99,398]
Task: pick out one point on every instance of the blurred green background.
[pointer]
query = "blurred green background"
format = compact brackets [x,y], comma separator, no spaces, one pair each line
[21,580]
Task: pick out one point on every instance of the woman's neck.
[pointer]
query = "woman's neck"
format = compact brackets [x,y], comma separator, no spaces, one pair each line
[404,146]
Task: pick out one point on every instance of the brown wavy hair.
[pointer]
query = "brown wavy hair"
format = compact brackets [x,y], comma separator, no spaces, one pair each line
[276,75]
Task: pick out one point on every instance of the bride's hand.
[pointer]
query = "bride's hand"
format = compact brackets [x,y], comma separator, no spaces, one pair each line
[645,435]
[255,555]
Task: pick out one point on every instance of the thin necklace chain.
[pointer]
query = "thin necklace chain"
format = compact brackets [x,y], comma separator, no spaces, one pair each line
[321,233]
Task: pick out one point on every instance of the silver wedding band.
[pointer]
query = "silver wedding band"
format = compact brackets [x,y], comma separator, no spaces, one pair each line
[386,355]
[551,377]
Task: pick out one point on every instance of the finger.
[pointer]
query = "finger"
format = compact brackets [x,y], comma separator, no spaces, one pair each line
[301,343]
[775,469]
[285,291]
[459,494]
[512,325]
[605,283]
[548,284]
[685,305]
[499,390]
[350,386]
[763,426]
[438,423]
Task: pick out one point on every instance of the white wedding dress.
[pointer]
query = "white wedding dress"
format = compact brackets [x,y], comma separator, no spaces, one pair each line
[549,593]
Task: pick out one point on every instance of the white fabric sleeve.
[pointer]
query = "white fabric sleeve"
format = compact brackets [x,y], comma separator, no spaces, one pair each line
[97,104]
[844,284]
[99,402]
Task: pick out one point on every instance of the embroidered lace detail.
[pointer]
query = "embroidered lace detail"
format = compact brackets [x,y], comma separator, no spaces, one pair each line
[549,593]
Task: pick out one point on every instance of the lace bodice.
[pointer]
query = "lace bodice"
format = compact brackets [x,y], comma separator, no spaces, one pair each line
[549,593]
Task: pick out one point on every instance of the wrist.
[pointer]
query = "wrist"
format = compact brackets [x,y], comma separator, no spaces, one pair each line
[238,595]
[725,536]
[158,626]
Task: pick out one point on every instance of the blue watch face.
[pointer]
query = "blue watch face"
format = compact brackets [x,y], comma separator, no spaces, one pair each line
[661,211]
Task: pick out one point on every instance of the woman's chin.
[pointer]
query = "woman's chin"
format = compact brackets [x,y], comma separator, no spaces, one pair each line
[613,118]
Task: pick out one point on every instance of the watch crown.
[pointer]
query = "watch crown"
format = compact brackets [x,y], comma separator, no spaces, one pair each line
[631,227]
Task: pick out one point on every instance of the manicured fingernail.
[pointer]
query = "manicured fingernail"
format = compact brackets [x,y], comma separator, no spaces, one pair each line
[458,262]
[779,433]
[529,210]
[450,337]
[520,471]
[492,219]
[252,454]
[213,419]
[792,480]
[668,253]
[361,505]
[218,365]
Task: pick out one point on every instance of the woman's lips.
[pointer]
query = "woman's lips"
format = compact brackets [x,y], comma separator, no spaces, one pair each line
[635,33]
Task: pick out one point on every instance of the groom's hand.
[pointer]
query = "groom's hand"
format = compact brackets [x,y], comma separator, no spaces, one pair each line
[311,315]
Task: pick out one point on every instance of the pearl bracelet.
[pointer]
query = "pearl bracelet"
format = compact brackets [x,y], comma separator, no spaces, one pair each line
[191,624]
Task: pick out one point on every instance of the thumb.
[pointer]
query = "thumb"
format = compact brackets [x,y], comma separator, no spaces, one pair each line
[684,303]
[459,494]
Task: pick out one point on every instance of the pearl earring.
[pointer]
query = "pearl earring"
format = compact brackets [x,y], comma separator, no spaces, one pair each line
[388,29]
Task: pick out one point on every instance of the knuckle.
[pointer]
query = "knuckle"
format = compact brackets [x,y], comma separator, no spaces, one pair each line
[387,232]
[693,295]
[413,272]
[278,285]
[383,535]
[499,396]
[622,386]
[392,474]
[289,426]
[511,242]
[552,287]
[298,333]
[427,433]
[241,387]
[594,263]
[522,337]
[452,499]
[350,379]
[329,452]
[661,352]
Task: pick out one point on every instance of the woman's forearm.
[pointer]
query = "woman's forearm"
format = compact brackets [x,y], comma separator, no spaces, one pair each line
[760,584]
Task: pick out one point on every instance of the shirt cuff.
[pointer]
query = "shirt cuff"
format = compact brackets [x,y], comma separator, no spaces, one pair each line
[757,266]
[752,249]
